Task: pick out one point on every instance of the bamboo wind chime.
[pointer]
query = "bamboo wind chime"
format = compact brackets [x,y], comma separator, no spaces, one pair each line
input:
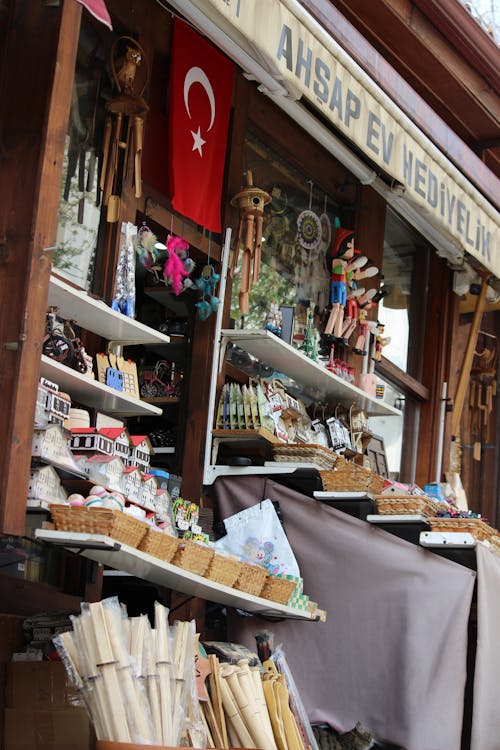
[250,201]
[124,125]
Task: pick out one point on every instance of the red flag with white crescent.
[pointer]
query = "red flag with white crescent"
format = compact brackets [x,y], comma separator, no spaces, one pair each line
[201,87]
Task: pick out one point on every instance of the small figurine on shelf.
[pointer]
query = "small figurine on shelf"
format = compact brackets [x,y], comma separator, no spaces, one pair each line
[309,345]
[274,319]
[380,342]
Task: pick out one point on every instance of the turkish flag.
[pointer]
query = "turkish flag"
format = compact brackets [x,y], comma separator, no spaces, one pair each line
[201,87]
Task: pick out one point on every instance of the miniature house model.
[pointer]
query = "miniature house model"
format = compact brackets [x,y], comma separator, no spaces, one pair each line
[44,484]
[89,439]
[51,444]
[106,470]
[120,438]
[140,452]
[131,482]
[149,488]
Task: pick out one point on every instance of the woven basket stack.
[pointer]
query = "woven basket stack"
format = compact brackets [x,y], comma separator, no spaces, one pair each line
[184,553]
[347,476]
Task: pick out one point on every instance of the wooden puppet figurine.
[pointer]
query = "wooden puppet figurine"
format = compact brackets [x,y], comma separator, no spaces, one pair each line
[250,201]
[343,251]
[380,342]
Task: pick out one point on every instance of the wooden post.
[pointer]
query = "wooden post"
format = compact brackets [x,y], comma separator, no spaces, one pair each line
[37,95]
[463,382]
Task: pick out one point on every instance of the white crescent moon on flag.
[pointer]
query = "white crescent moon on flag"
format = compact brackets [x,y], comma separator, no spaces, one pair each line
[197,75]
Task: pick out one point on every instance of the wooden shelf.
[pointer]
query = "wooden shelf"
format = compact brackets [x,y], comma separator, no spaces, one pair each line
[318,383]
[91,393]
[121,557]
[96,316]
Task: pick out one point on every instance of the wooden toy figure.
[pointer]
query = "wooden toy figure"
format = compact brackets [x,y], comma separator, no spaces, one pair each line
[251,201]
[380,342]
[342,265]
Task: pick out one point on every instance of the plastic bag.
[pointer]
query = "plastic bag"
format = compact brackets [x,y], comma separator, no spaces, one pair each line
[256,536]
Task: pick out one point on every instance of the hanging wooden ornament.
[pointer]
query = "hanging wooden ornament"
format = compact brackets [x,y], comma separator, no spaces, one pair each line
[309,228]
[124,125]
[250,201]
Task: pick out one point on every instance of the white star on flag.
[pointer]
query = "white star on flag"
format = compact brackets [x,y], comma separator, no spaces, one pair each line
[198,142]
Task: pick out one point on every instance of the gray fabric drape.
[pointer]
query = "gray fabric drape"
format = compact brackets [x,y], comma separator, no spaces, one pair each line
[392,653]
[486,711]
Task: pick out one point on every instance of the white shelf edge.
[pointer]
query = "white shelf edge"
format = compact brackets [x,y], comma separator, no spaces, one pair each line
[447,539]
[396,518]
[141,565]
[158,450]
[340,388]
[323,495]
[93,393]
[96,316]
[213,472]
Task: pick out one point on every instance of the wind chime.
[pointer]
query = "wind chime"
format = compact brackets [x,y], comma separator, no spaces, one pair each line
[483,387]
[250,201]
[124,125]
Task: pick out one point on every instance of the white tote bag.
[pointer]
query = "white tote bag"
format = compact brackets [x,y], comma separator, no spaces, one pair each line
[256,536]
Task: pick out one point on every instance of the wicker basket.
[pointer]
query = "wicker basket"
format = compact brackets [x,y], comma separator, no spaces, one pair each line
[251,579]
[278,589]
[193,556]
[127,529]
[406,504]
[351,477]
[82,519]
[314,454]
[480,530]
[159,544]
[224,569]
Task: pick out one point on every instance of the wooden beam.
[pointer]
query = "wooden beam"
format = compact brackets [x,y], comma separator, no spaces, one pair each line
[463,382]
[37,95]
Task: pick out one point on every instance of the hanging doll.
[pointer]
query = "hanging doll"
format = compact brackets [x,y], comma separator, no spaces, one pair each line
[174,271]
[343,252]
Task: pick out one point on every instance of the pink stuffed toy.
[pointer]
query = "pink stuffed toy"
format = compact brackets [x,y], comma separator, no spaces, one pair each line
[174,270]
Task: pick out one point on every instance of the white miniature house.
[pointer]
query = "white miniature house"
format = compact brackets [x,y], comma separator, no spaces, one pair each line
[149,488]
[89,439]
[52,445]
[44,484]
[106,470]
[131,482]
[120,438]
[140,452]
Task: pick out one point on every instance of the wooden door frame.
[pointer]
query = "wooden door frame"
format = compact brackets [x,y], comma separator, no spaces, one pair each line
[36,95]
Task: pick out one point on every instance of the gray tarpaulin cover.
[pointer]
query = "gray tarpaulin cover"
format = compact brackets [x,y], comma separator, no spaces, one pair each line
[392,653]
[486,713]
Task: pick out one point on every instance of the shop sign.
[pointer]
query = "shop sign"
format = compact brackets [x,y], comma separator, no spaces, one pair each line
[368,119]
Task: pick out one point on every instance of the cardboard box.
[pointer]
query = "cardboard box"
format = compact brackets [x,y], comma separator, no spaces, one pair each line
[59,729]
[38,685]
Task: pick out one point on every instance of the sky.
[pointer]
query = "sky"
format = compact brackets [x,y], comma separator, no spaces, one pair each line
[489,13]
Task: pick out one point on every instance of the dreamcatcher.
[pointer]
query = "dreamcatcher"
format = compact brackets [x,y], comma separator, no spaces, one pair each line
[309,228]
